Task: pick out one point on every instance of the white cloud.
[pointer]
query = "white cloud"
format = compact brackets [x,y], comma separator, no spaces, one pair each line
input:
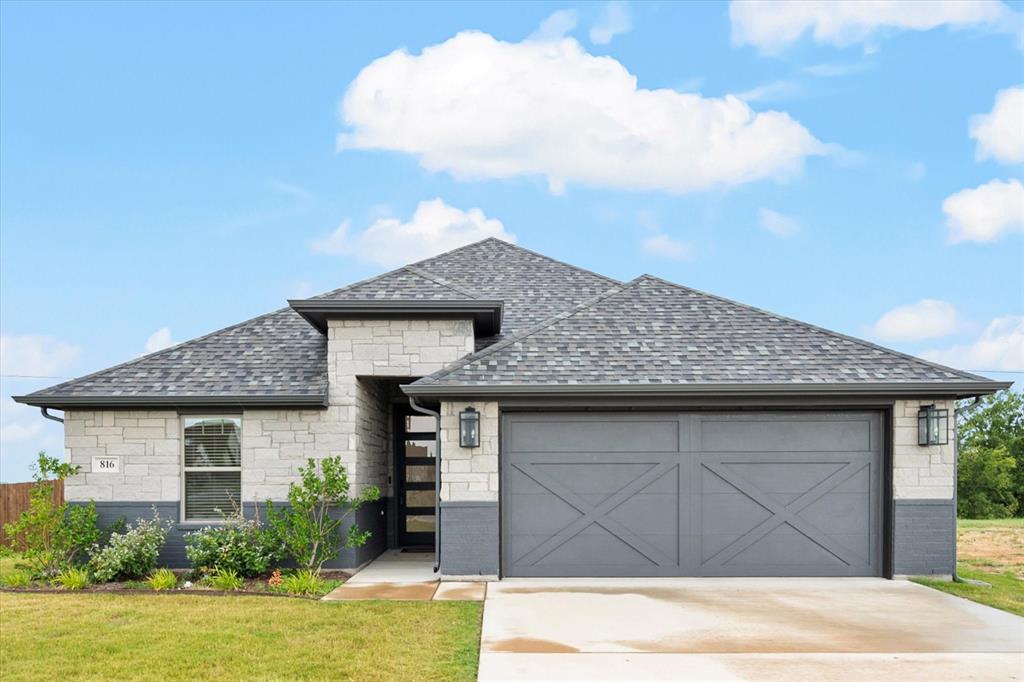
[29,355]
[926,319]
[770,91]
[771,26]
[779,224]
[11,433]
[614,20]
[1000,347]
[435,227]
[159,340]
[555,26]
[986,212]
[1000,133]
[479,107]
[666,247]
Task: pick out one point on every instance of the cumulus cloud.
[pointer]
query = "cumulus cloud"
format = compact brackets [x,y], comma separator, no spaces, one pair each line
[985,213]
[555,26]
[1000,133]
[926,319]
[479,107]
[30,355]
[434,228]
[159,340]
[777,223]
[614,20]
[666,247]
[1000,347]
[771,26]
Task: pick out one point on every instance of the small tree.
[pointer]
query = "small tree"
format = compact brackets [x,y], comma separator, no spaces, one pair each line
[306,529]
[55,536]
[985,483]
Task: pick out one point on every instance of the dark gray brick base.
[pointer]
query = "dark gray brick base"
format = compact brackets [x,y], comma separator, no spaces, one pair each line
[369,517]
[469,538]
[924,537]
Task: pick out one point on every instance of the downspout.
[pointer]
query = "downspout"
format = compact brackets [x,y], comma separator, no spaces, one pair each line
[957,413]
[437,478]
[49,416]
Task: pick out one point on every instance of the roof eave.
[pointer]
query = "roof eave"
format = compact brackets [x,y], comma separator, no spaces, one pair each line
[172,402]
[486,314]
[958,389]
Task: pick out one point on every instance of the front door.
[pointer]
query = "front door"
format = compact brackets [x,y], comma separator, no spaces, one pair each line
[415,462]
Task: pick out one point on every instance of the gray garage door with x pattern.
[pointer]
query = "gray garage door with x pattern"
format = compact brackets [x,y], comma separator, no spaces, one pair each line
[691,494]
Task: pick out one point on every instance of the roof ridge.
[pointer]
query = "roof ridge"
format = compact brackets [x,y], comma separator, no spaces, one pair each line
[162,351]
[540,326]
[439,280]
[829,332]
[520,248]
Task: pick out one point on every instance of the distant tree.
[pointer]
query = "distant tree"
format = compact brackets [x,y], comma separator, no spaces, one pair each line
[991,444]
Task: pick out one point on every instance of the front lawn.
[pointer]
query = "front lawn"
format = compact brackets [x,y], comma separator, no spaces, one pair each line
[175,636]
[992,551]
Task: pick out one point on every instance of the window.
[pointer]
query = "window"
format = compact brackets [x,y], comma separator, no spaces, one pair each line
[213,467]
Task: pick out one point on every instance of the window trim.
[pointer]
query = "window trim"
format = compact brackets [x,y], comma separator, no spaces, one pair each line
[183,518]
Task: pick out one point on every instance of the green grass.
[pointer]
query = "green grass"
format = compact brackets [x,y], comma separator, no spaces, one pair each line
[991,551]
[177,637]
[1006,593]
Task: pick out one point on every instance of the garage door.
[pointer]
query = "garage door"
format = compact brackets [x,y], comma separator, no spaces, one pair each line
[668,494]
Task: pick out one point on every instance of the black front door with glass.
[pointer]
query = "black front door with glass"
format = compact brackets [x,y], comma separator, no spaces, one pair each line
[415,462]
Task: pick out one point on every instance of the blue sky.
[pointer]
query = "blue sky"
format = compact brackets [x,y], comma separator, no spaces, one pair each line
[169,169]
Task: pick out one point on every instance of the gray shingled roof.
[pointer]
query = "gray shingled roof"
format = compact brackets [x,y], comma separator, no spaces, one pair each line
[280,356]
[650,331]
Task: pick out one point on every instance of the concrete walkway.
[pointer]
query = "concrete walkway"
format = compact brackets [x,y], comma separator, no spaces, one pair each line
[739,628]
[397,575]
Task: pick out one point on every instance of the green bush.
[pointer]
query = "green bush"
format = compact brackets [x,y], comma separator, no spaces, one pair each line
[17,579]
[306,529]
[225,579]
[242,546]
[302,582]
[131,554]
[55,536]
[985,484]
[162,579]
[72,579]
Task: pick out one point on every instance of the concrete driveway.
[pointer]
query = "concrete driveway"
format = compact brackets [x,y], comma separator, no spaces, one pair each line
[742,628]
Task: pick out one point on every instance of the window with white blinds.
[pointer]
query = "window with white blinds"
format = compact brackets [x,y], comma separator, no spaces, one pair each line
[213,467]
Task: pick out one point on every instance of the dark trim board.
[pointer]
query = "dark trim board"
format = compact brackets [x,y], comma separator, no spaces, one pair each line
[486,315]
[173,402]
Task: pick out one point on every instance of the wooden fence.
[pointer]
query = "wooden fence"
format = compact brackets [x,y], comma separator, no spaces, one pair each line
[14,499]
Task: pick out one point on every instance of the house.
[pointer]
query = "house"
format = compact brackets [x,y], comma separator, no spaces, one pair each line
[587,427]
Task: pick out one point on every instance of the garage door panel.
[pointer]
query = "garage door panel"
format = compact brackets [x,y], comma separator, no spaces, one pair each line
[592,436]
[792,495]
[828,434]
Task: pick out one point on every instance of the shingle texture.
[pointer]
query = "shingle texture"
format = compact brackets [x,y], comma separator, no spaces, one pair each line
[280,354]
[654,332]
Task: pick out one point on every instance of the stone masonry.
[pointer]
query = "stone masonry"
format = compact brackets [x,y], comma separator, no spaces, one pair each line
[469,474]
[921,472]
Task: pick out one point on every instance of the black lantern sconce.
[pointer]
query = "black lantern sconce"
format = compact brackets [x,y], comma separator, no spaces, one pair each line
[932,426]
[469,428]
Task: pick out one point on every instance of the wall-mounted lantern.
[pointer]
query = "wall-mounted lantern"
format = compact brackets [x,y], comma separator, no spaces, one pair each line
[469,428]
[932,426]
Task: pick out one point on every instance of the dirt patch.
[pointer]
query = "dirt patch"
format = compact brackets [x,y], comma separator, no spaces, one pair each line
[996,549]
[530,645]
[388,591]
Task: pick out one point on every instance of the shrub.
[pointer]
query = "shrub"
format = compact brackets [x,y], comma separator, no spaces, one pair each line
[306,529]
[985,484]
[55,536]
[17,579]
[242,546]
[162,579]
[275,579]
[225,579]
[131,554]
[302,582]
[73,579]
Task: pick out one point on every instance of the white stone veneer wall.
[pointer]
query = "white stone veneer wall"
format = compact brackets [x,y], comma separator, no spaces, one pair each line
[921,472]
[469,474]
[275,443]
